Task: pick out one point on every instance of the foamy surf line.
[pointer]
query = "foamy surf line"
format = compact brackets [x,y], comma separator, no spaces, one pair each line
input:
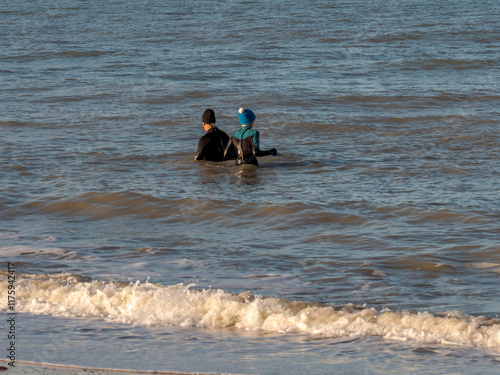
[144,303]
[27,367]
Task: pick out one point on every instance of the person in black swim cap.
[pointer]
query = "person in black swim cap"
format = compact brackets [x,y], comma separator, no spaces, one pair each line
[212,145]
[245,142]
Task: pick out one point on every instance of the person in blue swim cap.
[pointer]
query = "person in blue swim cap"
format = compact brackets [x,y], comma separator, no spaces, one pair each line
[244,143]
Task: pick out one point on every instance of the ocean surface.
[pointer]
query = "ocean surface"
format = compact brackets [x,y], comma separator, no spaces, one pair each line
[369,245]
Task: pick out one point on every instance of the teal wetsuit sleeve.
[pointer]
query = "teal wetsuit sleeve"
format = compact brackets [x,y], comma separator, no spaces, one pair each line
[256,137]
[258,151]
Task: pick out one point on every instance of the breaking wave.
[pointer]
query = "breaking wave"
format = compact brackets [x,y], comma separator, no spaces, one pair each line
[145,303]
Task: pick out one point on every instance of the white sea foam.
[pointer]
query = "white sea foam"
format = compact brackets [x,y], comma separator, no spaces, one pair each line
[182,305]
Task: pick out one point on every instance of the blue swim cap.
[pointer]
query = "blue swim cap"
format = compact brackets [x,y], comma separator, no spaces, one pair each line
[246,116]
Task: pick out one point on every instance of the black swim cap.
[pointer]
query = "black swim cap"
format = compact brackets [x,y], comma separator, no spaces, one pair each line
[208,117]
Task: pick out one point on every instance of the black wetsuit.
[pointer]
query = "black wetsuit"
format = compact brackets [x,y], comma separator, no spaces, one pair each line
[212,145]
[244,145]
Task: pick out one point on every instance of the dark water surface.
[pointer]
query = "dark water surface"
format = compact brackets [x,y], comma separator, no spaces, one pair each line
[370,244]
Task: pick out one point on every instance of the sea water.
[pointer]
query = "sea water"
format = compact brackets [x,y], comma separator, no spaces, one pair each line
[370,244]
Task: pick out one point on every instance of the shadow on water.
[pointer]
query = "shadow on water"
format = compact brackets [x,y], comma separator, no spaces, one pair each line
[227,173]
[247,175]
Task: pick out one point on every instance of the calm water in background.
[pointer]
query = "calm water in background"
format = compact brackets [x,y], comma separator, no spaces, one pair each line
[370,244]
